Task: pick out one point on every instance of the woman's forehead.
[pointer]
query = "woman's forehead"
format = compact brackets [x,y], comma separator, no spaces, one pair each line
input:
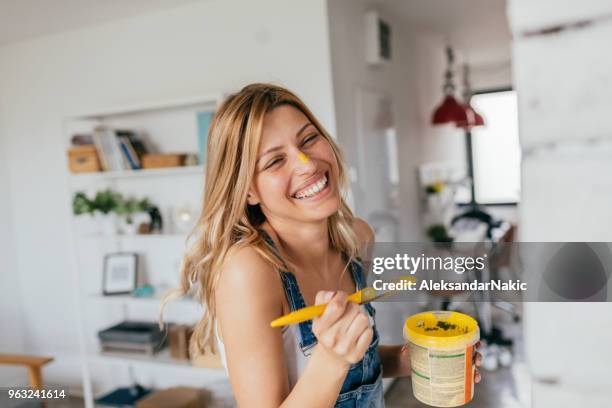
[283,122]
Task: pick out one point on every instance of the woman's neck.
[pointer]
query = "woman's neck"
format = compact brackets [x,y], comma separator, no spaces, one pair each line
[305,246]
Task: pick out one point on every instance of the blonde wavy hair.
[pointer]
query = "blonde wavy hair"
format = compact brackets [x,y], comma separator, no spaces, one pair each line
[227,220]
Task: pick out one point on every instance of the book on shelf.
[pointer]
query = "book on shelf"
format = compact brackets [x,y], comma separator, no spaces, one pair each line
[129,153]
[118,149]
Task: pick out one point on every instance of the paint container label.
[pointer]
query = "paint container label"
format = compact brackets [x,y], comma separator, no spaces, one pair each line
[442,378]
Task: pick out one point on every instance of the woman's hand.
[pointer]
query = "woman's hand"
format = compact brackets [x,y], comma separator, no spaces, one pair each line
[344,328]
[477,362]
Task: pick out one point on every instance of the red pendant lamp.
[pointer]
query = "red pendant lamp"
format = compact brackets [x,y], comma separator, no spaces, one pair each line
[449,111]
[473,118]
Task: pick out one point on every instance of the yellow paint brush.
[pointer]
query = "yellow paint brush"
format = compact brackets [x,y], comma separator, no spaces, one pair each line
[360,297]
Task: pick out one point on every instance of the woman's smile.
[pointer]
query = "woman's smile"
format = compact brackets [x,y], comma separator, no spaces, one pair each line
[315,190]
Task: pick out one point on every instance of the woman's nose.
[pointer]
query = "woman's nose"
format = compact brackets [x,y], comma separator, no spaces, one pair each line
[303,158]
[303,162]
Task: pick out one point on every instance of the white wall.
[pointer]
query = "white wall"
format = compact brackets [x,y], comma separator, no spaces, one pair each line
[12,317]
[199,48]
[563,86]
[396,78]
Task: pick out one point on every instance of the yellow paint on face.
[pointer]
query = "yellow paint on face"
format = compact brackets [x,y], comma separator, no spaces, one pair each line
[303,158]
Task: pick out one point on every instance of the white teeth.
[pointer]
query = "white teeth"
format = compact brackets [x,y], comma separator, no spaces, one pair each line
[314,189]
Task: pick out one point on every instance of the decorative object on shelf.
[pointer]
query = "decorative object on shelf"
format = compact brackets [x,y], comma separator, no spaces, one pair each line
[155,161]
[144,291]
[178,338]
[129,208]
[449,111]
[120,273]
[104,204]
[83,159]
[105,208]
[156,225]
[191,159]
[133,336]
[83,208]
[204,121]
[184,218]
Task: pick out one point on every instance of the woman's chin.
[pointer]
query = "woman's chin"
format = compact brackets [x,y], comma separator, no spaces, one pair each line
[324,210]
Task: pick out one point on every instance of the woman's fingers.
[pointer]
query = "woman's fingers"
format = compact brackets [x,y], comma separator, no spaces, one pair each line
[351,334]
[336,335]
[333,311]
[477,362]
[323,296]
[343,328]
[361,347]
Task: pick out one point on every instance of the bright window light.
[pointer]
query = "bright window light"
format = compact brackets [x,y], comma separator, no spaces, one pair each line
[496,149]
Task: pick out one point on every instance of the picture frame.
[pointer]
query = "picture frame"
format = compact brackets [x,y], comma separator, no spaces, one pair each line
[120,275]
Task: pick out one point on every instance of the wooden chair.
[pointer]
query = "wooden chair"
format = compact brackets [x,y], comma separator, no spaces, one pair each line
[34,365]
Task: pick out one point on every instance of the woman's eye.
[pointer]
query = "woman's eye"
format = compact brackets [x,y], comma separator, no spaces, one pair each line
[273,162]
[309,139]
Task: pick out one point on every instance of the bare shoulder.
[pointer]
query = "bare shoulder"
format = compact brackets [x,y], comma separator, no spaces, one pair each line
[245,276]
[248,297]
[365,233]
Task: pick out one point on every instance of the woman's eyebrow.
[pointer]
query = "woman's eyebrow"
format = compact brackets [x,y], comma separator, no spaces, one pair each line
[270,150]
[302,129]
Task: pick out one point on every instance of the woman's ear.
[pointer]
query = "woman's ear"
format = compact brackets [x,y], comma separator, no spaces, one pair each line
[252,198]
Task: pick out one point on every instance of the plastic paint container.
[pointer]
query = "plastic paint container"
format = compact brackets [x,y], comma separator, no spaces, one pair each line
[441,355]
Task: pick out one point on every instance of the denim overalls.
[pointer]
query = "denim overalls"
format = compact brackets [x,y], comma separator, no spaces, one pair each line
[362,387]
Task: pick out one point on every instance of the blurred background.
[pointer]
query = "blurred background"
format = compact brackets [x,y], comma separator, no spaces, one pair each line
[464,120]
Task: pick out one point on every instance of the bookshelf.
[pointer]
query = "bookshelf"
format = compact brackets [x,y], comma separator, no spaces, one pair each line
[144,173]
[171,126]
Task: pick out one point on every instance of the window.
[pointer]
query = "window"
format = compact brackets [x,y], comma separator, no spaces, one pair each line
[496,149]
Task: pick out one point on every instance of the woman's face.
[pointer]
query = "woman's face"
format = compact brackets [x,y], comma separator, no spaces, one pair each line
[296,174]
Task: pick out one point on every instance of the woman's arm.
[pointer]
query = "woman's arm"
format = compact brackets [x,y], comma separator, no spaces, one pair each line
[247,300]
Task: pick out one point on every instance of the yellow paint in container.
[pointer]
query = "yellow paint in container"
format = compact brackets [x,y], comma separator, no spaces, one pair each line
[441,356]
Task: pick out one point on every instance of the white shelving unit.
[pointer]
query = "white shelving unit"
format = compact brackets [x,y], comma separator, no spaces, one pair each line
[172,127]
[112,175]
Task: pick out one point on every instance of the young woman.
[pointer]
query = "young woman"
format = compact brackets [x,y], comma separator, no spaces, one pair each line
[275,235]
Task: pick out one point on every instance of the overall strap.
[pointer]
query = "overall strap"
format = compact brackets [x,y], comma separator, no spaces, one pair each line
[294,298]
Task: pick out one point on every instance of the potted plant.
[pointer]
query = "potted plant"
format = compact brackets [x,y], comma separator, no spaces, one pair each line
[129,208]
[105,204]
[84,208]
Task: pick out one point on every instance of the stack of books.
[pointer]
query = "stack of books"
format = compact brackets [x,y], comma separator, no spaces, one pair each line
[118,149]
[133,336]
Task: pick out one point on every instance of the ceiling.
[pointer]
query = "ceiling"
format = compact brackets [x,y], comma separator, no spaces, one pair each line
[26,19]
[477,28]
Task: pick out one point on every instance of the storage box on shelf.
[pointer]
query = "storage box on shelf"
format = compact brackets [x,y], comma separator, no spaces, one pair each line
[171,127]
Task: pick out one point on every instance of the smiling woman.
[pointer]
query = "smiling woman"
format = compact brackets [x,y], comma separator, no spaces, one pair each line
[275,235]
[298,169]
